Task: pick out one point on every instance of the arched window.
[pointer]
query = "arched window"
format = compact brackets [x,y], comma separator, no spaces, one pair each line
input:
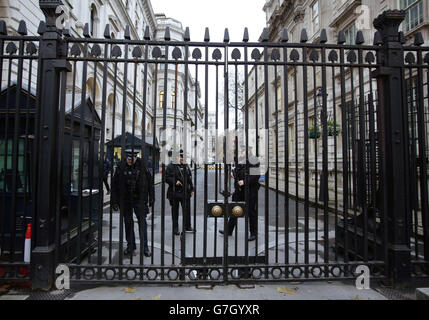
[161,99]
[93,21]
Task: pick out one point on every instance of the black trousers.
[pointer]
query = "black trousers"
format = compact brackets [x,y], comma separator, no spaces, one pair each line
[106,183]
[253,216]
[186,212]
[129,224]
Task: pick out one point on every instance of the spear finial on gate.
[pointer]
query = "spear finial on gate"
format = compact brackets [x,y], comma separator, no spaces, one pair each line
[226,36]
[167,36]
[3,28]
[86,33]
[207,35]
[359,38]
[304,36]
[147,33]
[42,28]
[246,35]
[341,37]
[22,29]
[323,36]
[187,36]
[107,32]
[377,38]
[265,37]
[127,34]
[418,39]
[285,36]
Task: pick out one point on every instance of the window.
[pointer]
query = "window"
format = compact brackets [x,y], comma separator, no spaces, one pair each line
[279,97]
[414,14]
[161,99]
[291,139]
[350,33]
[93,20]
[315,17]
[6,174]
[173,99]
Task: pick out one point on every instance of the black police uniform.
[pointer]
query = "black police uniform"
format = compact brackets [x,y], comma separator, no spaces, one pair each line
[180,194]
[240,195]
[132,188]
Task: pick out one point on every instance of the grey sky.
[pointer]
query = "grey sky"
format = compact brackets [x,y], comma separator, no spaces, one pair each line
[216,15]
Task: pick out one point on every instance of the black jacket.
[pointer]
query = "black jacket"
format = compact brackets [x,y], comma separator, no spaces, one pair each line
[239,173]
[174,174]
[132,183]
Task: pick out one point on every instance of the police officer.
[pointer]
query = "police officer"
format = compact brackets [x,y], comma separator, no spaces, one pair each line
[132,189]
[239,174]
[179,193]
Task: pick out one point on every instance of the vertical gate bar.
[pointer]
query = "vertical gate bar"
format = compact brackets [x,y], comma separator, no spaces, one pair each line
[236,160]
[92,153]
[286,155]
[306,160]
[133,144]
[176,66]
[276,151]
[101,168]
[27,153]
[6,147]
[3,211]
[123,156]
[70,162]
[185,152]
[325,175]
[115,85]
[143,125]
[353,159]
[246,129]
[345,169]
[60,187]
[362,155]
[217,184]
[206,127]
[81,135]
[155,96]
[295,86]
[164,130]
[334,107]
[413,159]
[423,156]
[194,146]
[257,152]
[225,164]
[373,166]
[316,164]
[266,151]
[15,148]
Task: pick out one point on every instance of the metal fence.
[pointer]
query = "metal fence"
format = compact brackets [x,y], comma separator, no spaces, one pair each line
[328,121]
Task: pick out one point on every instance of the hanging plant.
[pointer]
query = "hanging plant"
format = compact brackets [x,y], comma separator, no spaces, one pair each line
[314,132]
[333,129]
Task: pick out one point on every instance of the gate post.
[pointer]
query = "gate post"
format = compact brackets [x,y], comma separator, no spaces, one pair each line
[392,125]
[51,51]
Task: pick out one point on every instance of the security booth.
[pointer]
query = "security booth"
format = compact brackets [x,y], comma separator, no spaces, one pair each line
[16,195]
[81,185]
[152,151]
[77,149]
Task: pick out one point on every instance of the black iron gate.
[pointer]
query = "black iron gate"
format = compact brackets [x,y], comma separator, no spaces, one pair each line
[318,132]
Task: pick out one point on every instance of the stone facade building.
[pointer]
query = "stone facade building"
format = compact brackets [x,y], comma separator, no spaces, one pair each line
[138,14]
[315,15]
